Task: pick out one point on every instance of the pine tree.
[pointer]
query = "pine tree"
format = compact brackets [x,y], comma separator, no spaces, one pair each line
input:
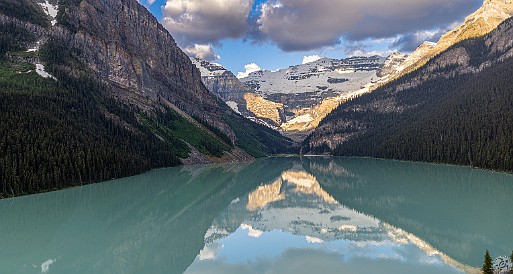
[487,266]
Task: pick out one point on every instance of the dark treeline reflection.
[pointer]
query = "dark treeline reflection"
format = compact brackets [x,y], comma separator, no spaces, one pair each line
[458,210]
[152,223]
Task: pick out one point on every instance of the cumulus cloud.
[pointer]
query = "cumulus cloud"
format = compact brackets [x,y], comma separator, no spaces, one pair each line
[249,69]
[206,21]
[210,251]
[310,58]
[311,24]
[254,233]
[205,52]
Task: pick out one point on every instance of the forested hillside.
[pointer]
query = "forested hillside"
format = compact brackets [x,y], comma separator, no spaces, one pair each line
[457,109]
[62,123]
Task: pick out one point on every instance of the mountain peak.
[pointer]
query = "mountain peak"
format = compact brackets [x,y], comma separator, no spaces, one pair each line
[490,15]
[504,5]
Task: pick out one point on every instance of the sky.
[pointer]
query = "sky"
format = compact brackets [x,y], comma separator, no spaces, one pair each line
[248,35]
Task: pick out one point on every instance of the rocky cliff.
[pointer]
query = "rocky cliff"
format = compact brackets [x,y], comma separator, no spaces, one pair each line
[241,98]
[121,42]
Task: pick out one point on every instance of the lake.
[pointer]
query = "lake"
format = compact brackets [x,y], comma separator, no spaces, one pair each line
[275,215]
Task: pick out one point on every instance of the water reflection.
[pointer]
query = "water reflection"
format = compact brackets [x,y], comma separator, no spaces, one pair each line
[278,215]
[294,216]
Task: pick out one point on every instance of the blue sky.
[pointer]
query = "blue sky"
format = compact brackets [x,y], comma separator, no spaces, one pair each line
[279,33]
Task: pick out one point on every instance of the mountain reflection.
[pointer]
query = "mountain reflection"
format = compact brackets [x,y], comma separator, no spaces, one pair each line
[294,205]
[276,215]
[301,181]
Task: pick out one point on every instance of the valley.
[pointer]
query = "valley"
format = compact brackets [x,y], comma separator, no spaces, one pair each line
[187,136]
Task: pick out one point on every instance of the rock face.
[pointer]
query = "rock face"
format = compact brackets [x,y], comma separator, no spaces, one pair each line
[306,93]
[124,44]
[238,96]
[296,99]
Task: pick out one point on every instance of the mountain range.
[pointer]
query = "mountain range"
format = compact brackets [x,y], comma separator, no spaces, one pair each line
[455,109]
[296,99]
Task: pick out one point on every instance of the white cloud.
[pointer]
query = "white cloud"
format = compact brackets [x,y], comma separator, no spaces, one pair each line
[210,251]
[206,21]
[310,58]
[312,24]
[254,233]
[249,69]
[314,240]
[205,52]
[150,2]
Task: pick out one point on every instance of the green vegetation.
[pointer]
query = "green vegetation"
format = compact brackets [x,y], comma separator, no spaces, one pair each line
[466,119]
[175,129]
[25,10]
[57,134]
[256,139]
[487,265]
[14,38]
[22,78]
[69,21]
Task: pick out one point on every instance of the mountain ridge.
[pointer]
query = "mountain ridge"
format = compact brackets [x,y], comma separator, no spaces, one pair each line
[96,89]
[484,20]
[455,109]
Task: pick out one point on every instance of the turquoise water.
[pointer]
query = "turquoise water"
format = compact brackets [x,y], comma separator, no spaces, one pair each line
[276,215]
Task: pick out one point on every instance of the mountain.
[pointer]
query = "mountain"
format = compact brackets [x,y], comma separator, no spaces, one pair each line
[296,99]
[236,95]
[455,109]
[95,89]
[298,89]
[481,22]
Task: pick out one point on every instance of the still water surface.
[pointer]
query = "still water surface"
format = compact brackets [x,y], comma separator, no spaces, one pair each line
[276,215]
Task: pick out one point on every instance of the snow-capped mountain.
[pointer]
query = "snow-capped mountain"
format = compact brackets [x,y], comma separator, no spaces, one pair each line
[314,81]
[308,92]
[299,97]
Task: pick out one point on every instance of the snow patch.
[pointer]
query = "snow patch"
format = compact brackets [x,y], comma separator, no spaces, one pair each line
[341,71]
[45,266]
[36,48]
[40,69]
[50,10]
[233,106]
